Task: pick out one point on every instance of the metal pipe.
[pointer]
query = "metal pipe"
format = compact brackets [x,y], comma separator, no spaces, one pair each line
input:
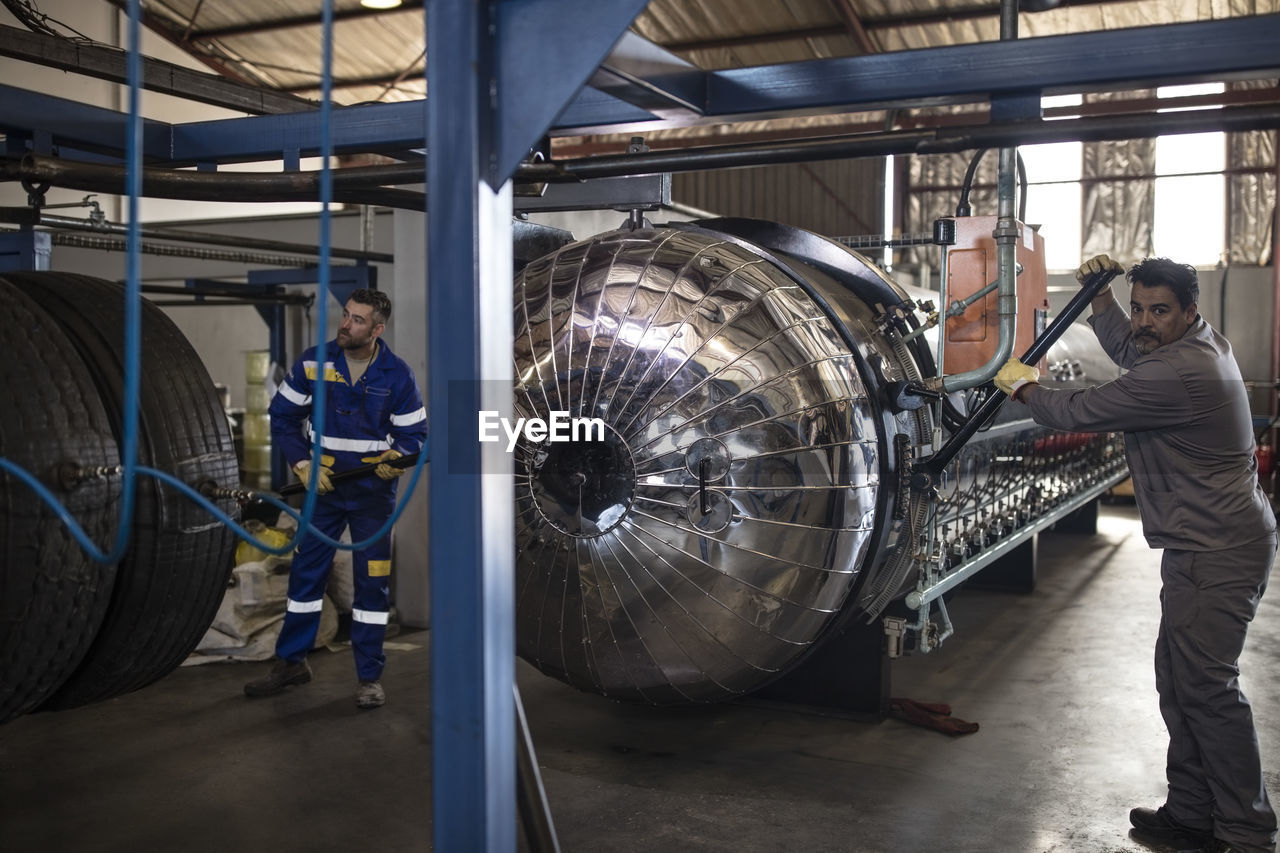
[956,309]
[368,184]
[205,186]
[114,244]
[531,795]
[204,303]
[233,292]
[1008,20]
[934,141]
[204,237]
[944,271]
[961,305]
[366,229]
[1006,237]
[947,628]
[1275,322]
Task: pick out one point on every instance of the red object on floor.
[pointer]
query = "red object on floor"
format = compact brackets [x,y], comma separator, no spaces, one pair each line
[931,715]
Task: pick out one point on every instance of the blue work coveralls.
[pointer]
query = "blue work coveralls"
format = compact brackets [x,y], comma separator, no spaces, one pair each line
[382,410]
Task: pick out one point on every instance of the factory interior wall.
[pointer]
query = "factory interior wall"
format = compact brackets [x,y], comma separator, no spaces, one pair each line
[222,334]
[109,26]
[407,287]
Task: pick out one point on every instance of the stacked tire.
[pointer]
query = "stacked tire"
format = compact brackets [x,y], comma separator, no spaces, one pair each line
[73,630]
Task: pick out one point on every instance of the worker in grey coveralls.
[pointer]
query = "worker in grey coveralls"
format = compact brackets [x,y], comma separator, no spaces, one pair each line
[1190,446]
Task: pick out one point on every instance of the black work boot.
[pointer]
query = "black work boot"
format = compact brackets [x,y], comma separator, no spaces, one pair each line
[1217,845]
[282,676]
[1155,825]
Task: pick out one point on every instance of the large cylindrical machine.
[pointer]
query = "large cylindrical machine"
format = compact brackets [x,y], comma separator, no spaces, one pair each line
[75,628]
[747,493]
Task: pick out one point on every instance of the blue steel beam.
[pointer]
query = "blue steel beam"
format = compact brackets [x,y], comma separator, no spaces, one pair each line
[593,111]
[484,112]
[343,278]
[71,123]
[356,129]
[1135,57]
[648,76]
[471,549]
[528,32]
[1142,56]
[1234,47]
[1138,56]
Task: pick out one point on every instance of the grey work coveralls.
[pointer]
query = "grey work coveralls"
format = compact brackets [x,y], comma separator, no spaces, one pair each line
[1189,443]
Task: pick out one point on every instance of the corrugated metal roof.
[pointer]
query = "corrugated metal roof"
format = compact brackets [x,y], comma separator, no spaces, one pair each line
[379,56]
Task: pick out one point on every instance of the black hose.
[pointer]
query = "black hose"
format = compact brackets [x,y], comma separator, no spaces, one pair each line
[1222,302]
[963,208]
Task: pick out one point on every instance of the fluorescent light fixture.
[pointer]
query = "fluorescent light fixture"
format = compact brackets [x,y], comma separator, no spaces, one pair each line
[380,4]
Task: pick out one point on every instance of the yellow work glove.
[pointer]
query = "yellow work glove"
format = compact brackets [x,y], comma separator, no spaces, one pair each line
[1014,375]
[386,471]
[323,484]
[1097,264]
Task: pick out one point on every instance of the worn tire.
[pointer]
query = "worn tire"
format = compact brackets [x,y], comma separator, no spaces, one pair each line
[175,572]
[53,596]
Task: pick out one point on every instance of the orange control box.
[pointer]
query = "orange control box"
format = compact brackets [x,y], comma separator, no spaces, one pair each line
[972,264]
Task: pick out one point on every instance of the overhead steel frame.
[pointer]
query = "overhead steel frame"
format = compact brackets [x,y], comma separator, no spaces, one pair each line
[640,86]
[484,112]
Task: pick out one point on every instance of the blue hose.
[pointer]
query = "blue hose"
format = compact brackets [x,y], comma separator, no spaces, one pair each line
[133,347]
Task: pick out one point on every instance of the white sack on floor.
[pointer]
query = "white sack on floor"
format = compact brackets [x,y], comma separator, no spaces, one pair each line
[252,609]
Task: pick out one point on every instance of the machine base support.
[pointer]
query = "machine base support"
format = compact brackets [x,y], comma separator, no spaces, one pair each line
[1014,572]
[1083,520]
[848,676]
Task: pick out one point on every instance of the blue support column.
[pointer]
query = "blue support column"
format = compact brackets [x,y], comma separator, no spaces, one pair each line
[472,513]
[25,250]
[484,111]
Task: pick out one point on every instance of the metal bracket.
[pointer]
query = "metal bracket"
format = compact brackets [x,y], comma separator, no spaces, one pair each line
[641,192]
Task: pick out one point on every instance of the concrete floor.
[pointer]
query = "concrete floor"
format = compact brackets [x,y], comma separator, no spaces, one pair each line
[1060,681]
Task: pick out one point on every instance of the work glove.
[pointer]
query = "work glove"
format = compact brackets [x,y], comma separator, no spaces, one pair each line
[1095,265]
[323,484]
[386,471]
[1014,375]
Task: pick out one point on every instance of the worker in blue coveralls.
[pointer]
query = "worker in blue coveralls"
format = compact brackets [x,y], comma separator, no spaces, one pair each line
[373,414]
[1189,442]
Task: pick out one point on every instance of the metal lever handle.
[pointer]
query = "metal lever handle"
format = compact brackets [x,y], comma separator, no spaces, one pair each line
[1092,286]
[355,473]
[704,502]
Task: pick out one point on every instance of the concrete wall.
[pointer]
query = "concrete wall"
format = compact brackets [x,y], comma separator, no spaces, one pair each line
[221,335]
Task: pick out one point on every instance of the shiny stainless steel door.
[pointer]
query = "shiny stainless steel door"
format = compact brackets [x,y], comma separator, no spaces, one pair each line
[701,545]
